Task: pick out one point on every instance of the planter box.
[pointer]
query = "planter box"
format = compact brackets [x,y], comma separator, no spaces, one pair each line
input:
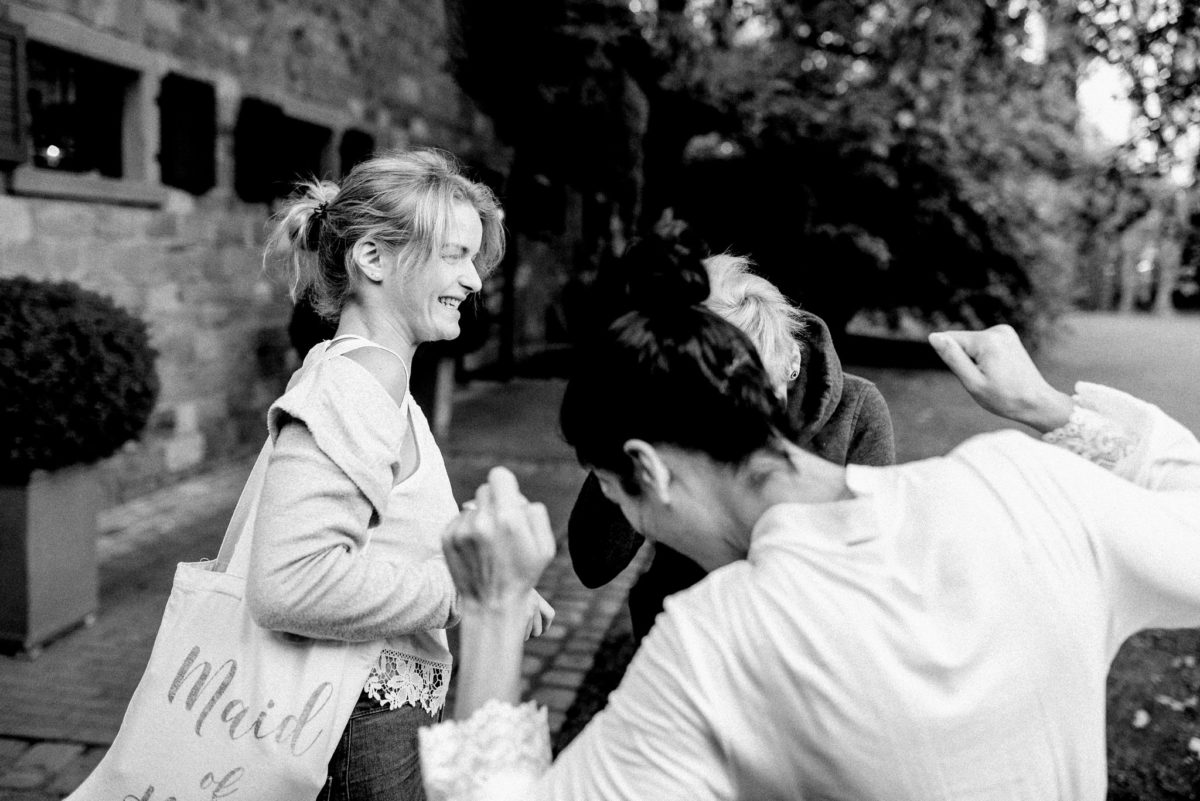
[48,574]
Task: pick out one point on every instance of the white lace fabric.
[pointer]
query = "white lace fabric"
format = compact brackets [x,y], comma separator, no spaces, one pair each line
[494,755]
[1093,436]
[398,679]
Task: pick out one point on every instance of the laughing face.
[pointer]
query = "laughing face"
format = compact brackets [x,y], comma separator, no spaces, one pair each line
[431,295]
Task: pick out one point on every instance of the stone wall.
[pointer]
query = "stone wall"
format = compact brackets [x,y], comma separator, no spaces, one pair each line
[191,265]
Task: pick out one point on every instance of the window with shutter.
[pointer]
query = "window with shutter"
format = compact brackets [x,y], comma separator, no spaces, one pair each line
[187,133]
[305,152]
[77,111]
[356,147]
[13,149]
[256,154]
[272,151]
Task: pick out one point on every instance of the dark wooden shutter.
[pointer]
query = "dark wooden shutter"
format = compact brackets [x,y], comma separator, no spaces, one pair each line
[356,147]
[256,150]
[12,94]
[302,150]
[188,133]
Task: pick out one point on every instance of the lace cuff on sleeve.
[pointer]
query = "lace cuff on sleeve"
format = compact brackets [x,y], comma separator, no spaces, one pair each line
[1093,436]
[495,754]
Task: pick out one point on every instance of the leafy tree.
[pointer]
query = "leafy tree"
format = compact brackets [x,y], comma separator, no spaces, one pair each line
[562,80]
[889,154]
[1155,44]
[912,156]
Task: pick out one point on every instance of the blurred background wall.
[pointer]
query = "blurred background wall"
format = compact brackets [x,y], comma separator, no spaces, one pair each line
[145,144]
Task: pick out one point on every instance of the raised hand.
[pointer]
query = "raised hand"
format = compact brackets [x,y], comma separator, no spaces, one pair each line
[498,546]
[998,374]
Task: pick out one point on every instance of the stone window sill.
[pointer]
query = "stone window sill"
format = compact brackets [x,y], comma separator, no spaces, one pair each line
[36,182]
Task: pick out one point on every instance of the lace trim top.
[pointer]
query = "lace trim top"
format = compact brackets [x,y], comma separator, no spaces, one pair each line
[493,755]
[1092,435]
[398,679]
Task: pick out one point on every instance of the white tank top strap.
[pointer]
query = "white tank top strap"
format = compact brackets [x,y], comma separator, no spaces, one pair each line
[336,348]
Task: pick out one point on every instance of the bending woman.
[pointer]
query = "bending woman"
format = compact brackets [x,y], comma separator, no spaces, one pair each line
[935,630]
[838,416]
[391,254]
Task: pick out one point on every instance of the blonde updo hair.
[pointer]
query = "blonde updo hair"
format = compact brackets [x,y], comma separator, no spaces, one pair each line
[401,199]
[759,309]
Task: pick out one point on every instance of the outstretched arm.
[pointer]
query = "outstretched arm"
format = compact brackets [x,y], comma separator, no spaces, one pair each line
[996,371]
[1144,531]
[1134,439]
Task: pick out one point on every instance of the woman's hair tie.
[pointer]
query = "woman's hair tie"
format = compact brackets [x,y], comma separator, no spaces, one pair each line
[312,239]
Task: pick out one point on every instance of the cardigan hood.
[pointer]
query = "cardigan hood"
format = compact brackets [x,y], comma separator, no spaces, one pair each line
[817,391]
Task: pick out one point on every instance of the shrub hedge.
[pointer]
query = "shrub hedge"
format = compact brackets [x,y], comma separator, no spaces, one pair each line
[77,377]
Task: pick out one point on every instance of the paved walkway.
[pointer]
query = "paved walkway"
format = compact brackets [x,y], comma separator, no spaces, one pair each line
[59,712]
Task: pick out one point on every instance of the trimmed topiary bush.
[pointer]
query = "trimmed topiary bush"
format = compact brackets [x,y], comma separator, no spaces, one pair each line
[77,377]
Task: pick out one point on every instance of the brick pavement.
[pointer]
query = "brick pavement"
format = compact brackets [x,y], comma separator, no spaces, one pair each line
[59,712]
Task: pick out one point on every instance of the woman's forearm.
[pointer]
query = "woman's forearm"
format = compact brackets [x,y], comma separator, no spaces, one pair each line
[495,550]
[491,644]
[1048,411]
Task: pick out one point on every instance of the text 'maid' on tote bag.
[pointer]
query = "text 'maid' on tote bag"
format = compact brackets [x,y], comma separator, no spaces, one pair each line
[227,709]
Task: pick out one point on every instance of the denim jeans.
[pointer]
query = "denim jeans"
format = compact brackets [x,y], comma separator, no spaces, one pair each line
[376,758]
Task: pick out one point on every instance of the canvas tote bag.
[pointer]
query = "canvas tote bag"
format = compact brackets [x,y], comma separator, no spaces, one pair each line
[227,709]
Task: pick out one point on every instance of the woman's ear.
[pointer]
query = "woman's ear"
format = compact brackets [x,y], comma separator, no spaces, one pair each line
[368,258]
[794,362]
[650,471]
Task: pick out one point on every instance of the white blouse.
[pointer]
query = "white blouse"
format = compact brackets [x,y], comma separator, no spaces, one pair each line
[944,634]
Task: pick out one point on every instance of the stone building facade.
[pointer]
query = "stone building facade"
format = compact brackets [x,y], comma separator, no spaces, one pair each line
[144,144]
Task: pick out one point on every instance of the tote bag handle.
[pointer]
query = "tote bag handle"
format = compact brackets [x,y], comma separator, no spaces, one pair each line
[230,554]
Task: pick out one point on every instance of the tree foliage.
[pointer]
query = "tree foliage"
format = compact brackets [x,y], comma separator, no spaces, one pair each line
[1142,210]
[1155,44]
[916,156]
[562,81]
[889,154]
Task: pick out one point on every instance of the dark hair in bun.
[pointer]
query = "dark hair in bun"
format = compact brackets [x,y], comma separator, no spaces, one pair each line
[663,273]
[668,370]
[656,273]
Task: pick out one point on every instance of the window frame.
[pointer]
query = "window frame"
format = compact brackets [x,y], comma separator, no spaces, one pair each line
[140,184]
[13,151]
